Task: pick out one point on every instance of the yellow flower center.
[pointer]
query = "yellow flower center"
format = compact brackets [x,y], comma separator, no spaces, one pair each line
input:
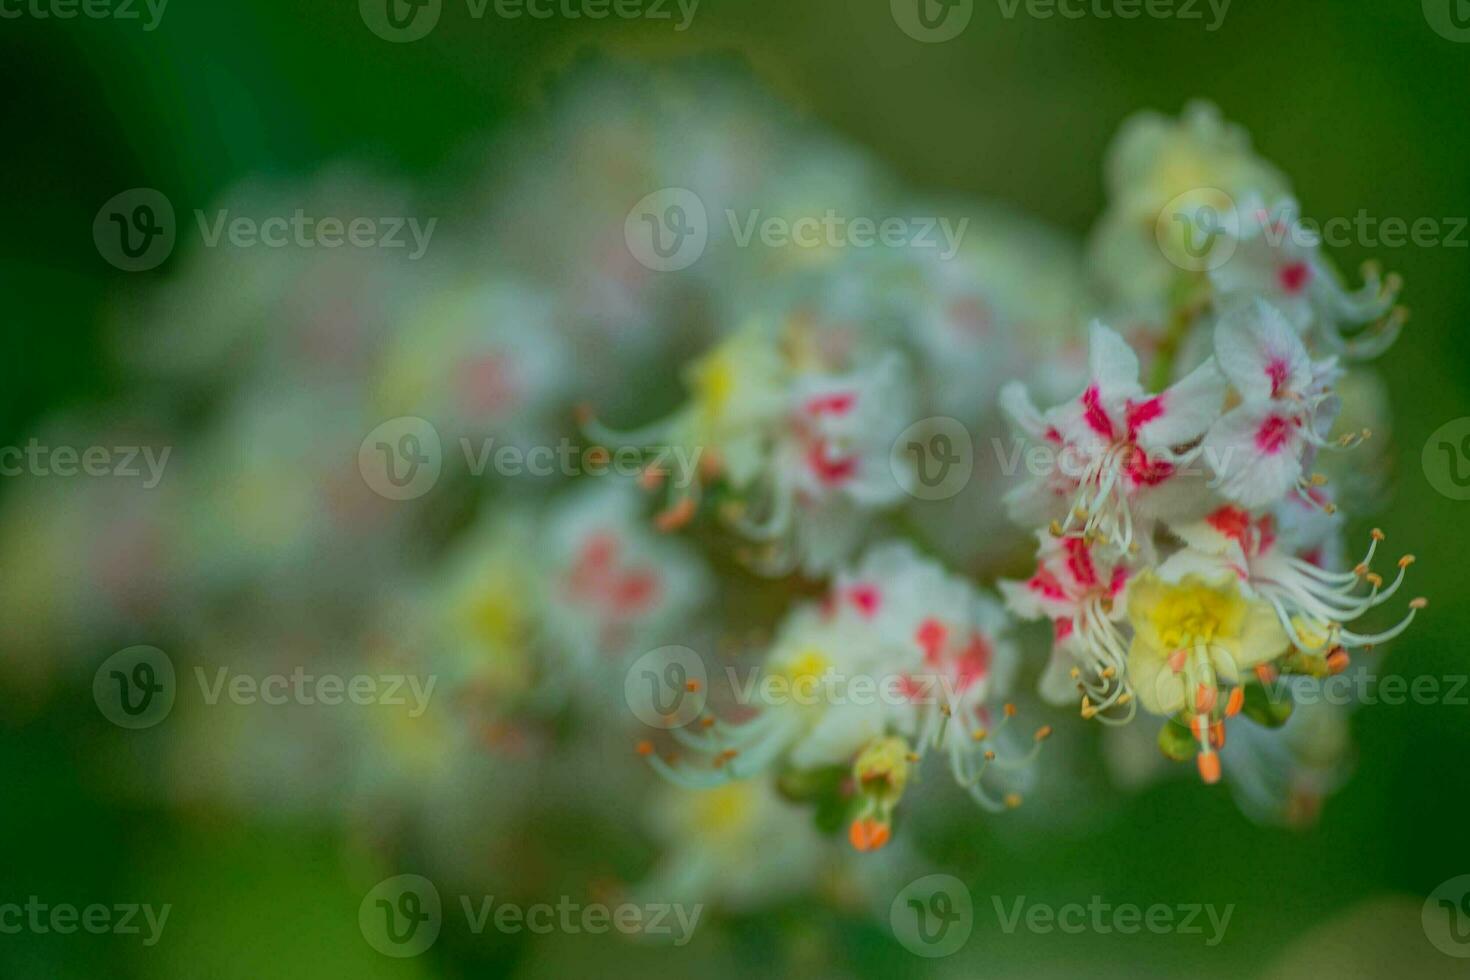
[1194,613]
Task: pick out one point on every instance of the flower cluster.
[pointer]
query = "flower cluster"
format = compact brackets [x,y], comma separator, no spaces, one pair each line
[1197,375]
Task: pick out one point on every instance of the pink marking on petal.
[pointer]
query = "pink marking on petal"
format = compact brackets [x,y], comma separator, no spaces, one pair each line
[866,598]
[1278,371]
[839,403]
[1094,414]
[1232,522]
[1119,579]
[830,471]
[1079,562]
[1052,435]
[974,661]
[1046,583]
[931,636]
[1146,472]
[1142,413]
[1061,629]
[1274,434]
[1294,277]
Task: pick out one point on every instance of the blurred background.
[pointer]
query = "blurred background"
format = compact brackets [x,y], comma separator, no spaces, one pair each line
[1364,106]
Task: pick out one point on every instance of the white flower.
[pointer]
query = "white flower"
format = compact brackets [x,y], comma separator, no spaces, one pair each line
[1260,447]
[1278,259]
[1114,446]
[801,446]
[904,658]
[1081,588]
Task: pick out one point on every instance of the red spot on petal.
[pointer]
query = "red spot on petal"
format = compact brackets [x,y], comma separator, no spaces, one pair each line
[931,637]
[830,471]
[974,661]
[866,598]
[1232,522]
[1079,562]
[1094,414]
[1274,434]
[1142,413]
[1145,471]
[1277,370]
[1046,583]
[835,404]
[1294,277]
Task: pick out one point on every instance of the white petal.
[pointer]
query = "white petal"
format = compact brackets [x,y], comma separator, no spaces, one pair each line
[1114,365]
